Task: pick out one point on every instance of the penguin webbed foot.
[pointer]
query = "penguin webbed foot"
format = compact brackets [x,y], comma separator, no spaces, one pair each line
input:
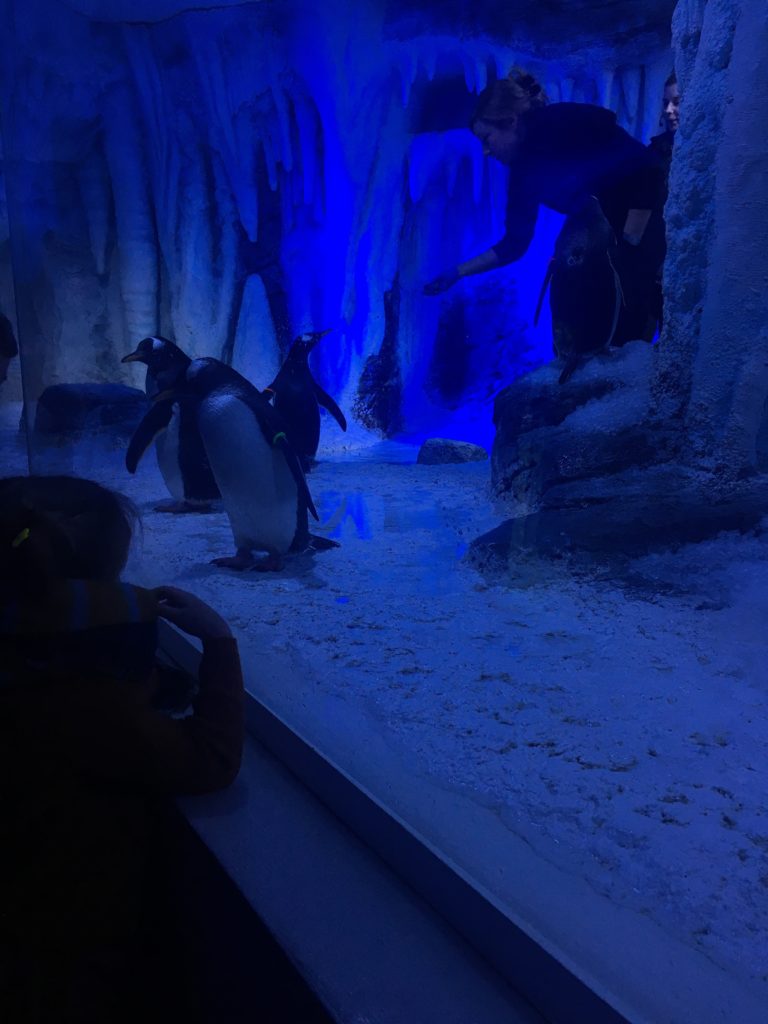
[311,542]
[240,561]
[183,507]
[317,543]
[272,563]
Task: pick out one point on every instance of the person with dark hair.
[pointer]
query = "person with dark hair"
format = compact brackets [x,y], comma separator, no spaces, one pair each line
[661,146]
[670,121]
[569,156]
[87,763]
[8,347]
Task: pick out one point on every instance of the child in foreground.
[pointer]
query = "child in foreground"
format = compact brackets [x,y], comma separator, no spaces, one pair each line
[87,764]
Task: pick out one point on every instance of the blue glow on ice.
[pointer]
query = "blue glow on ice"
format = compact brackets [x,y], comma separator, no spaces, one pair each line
[339,508]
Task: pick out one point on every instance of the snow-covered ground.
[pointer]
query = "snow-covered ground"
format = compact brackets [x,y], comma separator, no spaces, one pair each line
[614,729]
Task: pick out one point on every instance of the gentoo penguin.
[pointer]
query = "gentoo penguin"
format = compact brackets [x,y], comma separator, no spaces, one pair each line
[180,453]
[297,397]
[585,292]
[256,468]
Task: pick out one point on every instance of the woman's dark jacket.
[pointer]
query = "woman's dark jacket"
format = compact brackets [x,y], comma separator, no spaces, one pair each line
[568,152]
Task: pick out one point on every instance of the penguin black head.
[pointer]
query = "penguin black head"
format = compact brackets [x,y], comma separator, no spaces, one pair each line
[298,353]
[206,375]
[164,360]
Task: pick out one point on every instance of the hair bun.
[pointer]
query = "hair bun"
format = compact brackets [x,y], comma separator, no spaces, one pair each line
[528,86]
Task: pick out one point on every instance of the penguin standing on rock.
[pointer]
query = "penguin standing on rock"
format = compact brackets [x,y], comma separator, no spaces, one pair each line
[256,468]
[585,290]
[298,398]
[173,426]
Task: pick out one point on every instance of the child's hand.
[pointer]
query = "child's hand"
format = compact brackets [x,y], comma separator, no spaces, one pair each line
[190,614]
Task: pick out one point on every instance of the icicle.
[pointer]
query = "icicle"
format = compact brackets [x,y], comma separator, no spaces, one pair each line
[255,353]
[653,94]
[243,174]
[420,162]
[630,87]
[308,145]
[97,200]
[224,259]
[163,155]
[566,89]
[195,284]
[481,73]
[227,136]
[604,85]
[552,89]
[452,171]
[286,199]
[209,64]
[270,161]
[283,110]
[430,63]
[499,63]
[133,214]
[469,71]
[408,71]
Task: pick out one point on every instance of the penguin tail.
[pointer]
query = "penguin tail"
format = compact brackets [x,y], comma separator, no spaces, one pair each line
[318,543]
[571,363]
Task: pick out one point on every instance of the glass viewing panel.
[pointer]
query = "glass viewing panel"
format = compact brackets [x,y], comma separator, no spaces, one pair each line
[576,730]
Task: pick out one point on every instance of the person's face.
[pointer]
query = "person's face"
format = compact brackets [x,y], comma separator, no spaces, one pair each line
[671,107]
[498,140]
[5,362]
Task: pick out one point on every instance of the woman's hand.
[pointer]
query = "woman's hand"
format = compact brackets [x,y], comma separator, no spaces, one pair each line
[191,614]
[442,283]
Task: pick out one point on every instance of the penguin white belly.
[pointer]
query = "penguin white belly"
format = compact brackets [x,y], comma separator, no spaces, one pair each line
[167,449]
[257,488]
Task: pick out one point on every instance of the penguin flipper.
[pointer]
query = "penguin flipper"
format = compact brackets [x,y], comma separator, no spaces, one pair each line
[154,422]
[273,428]
[294,465]
[324,399]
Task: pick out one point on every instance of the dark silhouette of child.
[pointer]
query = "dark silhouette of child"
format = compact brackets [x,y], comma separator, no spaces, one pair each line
[87,764]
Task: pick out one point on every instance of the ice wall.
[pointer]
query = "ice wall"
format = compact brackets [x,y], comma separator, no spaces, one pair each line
[712,384]
[232,175]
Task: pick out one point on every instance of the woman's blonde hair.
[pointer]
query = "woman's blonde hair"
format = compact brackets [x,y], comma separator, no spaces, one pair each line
[509,97]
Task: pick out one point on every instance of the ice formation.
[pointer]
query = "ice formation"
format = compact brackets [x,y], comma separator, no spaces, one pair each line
[231,174]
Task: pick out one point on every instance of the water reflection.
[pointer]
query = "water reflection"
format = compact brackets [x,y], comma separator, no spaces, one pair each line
[338,508]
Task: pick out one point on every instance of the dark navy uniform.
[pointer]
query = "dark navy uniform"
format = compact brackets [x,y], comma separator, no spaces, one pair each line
[569,152]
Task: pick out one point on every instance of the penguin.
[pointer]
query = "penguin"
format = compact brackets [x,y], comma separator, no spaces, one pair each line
[180,453]
[585,291]
[256,468]
[297,397]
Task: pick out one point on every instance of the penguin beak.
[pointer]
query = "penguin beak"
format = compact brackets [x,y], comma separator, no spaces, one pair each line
[164,396]
[134,357]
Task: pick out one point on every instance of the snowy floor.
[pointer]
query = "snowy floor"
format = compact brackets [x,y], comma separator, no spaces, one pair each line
[619,728]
